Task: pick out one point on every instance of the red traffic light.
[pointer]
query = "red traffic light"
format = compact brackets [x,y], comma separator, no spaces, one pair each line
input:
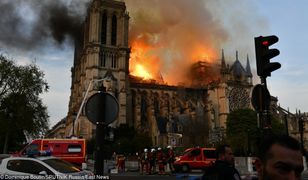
[265,43]
[268,40]
[264,54]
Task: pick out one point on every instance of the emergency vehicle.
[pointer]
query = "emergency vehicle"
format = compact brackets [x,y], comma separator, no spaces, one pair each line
[195,158]
[71,150]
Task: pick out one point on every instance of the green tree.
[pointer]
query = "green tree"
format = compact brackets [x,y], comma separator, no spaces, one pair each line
[21,109]
[243,132]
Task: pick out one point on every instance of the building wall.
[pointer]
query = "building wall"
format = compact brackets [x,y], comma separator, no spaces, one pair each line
[98,57]
[96,60]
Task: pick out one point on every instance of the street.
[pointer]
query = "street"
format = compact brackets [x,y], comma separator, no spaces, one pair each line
[132,172]
[136,175]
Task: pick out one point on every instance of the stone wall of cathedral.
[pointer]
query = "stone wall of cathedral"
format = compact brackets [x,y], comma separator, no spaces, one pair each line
[103,53]
[166,113]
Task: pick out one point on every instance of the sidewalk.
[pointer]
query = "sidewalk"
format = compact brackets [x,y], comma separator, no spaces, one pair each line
[132,170]
[110,166]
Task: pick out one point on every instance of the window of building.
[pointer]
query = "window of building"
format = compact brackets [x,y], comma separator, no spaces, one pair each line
[114,61]
[102,62]
[104,29]
[114,31]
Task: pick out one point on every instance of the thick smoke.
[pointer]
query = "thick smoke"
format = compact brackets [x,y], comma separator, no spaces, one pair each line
[28,25]
[178,33]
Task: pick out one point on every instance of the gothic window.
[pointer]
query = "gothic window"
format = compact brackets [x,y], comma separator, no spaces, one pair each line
[104,29]
[143,110]
[156,105]
[102,62]
[239,98]
[114,30]
[114,61]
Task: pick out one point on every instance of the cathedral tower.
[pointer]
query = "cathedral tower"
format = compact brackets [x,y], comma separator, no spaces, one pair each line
[100,62]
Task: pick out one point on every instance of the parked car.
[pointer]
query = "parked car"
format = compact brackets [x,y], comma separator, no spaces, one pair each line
[41,168]
[195,158]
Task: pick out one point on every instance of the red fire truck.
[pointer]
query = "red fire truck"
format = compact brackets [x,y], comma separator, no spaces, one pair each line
[71,150]
[195,158]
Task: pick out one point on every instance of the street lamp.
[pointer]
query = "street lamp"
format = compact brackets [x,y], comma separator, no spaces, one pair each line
[83,101]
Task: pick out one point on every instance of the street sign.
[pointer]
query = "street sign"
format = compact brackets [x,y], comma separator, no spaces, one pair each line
[260,98]
[102,107]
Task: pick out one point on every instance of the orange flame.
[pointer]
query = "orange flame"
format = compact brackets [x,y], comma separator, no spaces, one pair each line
[145,61]
[140,71]
[142,61]
[203,53]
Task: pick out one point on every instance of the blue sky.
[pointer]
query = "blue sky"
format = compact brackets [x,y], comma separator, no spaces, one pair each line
[286,19]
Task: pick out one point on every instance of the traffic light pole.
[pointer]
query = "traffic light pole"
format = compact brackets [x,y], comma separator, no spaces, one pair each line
[100,138]
[264,114]
[99,151]
[264,68]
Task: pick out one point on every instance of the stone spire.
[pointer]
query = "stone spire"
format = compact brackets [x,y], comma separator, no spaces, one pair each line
[223,62]
[248,69]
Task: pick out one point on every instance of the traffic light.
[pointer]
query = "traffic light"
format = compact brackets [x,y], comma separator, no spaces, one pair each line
[264,54]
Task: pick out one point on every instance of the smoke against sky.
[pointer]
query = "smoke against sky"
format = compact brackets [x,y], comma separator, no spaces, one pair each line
[181,32]
[28,25]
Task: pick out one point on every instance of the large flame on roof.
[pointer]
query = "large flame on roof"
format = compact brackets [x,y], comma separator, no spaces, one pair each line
[143,63]
[167,38]
[149,61]
[140,71]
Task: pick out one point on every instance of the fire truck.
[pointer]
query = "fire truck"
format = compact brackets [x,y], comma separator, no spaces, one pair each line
[195,158]
[71,150]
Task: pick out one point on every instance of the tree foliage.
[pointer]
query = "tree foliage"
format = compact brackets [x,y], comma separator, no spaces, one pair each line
[242,129]
[21,109]
[243,133]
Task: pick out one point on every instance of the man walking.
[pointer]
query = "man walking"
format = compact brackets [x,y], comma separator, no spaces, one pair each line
[223,168]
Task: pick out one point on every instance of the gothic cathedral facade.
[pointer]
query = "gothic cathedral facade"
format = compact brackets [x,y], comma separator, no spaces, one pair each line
[168,114]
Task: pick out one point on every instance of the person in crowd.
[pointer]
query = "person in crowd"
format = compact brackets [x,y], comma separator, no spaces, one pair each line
[160,161]
[139,157]
[121,163]
[170,158]
[152,161]
[114,156]
[279,158]
[144,162]
[223,168]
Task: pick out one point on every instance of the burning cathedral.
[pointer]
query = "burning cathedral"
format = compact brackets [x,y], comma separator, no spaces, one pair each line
[181,114]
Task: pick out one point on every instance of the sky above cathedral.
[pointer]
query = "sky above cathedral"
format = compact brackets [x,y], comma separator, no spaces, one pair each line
[232,24]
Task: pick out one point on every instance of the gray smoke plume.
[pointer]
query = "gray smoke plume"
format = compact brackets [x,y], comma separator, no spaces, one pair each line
[177,33]
[29,24]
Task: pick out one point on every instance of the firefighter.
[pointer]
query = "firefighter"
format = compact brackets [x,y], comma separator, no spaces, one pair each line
[121,163]
[145,161]
[152,161]
[160,161]
[170,158]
